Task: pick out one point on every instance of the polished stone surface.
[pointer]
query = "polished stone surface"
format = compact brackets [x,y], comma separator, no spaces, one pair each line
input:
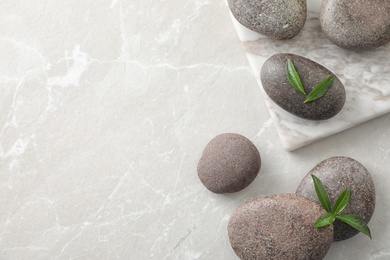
[106,107]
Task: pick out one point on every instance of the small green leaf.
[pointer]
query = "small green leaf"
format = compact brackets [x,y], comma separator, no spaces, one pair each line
[341,202]
[355,222]
[320,90]
[324,220]
[293,77]
[322,194]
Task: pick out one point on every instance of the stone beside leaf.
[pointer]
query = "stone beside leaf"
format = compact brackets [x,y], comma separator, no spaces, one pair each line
[338,173]
[331,215]
[318,91]
[279,89]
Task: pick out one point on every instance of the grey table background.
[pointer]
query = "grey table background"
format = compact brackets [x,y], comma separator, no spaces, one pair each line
[106,107]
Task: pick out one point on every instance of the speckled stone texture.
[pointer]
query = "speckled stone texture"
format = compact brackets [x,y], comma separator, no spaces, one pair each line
[356,24]
[229,163]
[276,85]
[279,19]
[279,227]
[337,174]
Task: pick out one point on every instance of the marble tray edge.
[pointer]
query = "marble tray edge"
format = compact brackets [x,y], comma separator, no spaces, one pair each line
[246,35]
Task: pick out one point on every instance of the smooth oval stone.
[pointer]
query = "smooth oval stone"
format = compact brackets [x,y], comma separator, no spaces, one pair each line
[279,227]
[337,174]
[275,83]
[229,163]
[279,19]
[356,24]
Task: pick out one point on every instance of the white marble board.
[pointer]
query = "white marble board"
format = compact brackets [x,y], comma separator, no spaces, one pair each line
[365,75]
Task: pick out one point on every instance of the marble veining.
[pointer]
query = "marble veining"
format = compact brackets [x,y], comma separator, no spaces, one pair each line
[105,109]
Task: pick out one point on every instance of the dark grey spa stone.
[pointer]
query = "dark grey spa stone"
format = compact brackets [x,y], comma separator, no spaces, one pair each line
[279,227]
[278,19]
[356,24]
[229,163]
[338,173]
[276,85]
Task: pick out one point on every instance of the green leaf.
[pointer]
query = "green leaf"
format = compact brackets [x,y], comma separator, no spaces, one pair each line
[341,202]
[293,77]
[322,194]
[355,222]
[320,90]
[324,220]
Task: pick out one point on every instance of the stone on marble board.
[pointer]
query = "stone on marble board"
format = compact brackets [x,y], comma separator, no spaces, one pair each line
[229,163]
[338,173]
[279,227]
[365,76]
[278,19]
[356,25]
[276,85]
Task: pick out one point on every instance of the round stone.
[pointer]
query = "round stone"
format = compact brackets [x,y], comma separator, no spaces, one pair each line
[279,227]
[275,83]
[229,163]
[337,174]
[356,24]
[279,19]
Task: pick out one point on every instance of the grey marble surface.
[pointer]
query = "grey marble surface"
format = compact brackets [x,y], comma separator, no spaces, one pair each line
[364,74]
[106,107]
